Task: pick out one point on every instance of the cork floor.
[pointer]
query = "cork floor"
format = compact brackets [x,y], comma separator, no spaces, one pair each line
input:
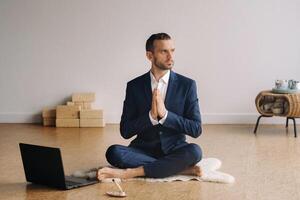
[266,166]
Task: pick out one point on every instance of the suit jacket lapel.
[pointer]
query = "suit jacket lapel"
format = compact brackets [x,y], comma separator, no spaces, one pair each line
[172,85]
[147,88]
[171,89]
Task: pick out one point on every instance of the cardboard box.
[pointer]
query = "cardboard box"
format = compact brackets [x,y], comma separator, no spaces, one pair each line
[67,112]
[70,103]
[83,97]
[49,113]
[67,122]
[78,103]
[84,105]
[87,106]
[92,123]
[91,114]
[49,121]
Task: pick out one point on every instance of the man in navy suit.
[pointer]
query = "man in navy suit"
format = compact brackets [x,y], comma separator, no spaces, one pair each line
[160,108]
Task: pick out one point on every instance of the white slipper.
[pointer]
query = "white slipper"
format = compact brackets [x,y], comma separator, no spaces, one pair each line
[209,164]
[216,176]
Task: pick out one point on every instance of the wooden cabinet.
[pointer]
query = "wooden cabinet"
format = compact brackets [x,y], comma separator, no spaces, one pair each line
[270,104]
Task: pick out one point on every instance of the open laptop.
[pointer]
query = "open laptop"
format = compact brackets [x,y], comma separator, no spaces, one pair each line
[43,165]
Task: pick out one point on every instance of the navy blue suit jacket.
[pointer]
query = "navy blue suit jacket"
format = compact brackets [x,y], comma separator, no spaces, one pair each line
[183,114]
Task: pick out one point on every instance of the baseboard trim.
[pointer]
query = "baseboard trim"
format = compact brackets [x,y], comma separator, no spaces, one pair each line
[207,118]
[20,117]
[239,118]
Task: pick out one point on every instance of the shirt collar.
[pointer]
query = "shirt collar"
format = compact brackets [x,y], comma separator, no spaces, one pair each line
[165,78]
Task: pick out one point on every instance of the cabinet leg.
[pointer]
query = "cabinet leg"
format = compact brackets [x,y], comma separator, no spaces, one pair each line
[287,122]
[257,122]
[295,128]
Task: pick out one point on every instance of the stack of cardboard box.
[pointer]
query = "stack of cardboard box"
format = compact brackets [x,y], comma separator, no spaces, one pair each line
[77,113]
[49,115]
[67,116]
[91,118]
[84,100]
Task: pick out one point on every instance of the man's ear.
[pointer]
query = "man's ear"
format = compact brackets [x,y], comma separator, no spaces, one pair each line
[149,55]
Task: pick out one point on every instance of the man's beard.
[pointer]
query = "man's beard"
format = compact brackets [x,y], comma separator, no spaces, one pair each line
[163,66]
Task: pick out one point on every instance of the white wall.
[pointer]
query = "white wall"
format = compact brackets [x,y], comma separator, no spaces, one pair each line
[232,48]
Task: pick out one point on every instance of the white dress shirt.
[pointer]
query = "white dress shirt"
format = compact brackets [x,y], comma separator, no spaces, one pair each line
[162,86]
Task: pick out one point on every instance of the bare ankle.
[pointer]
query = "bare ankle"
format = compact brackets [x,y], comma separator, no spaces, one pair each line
[135,172]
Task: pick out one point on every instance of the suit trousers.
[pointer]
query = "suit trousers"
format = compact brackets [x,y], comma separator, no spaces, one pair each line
[156,164]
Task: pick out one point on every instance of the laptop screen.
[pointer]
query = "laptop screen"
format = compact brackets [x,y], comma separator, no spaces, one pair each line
[43,165]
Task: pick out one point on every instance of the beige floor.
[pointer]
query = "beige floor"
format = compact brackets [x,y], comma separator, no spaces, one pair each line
[266,166]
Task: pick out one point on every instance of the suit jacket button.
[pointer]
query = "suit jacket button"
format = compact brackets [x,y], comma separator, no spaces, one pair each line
[160,132]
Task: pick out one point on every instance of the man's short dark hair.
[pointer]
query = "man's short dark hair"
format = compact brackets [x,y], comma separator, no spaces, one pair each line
[153,37]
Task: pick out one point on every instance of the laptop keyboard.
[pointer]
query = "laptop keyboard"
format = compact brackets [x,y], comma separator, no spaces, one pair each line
[71,183]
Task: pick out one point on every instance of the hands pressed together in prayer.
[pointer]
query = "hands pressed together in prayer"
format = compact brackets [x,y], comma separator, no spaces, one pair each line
[158,109]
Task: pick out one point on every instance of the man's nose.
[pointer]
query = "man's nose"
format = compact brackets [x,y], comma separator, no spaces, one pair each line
[170,55]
